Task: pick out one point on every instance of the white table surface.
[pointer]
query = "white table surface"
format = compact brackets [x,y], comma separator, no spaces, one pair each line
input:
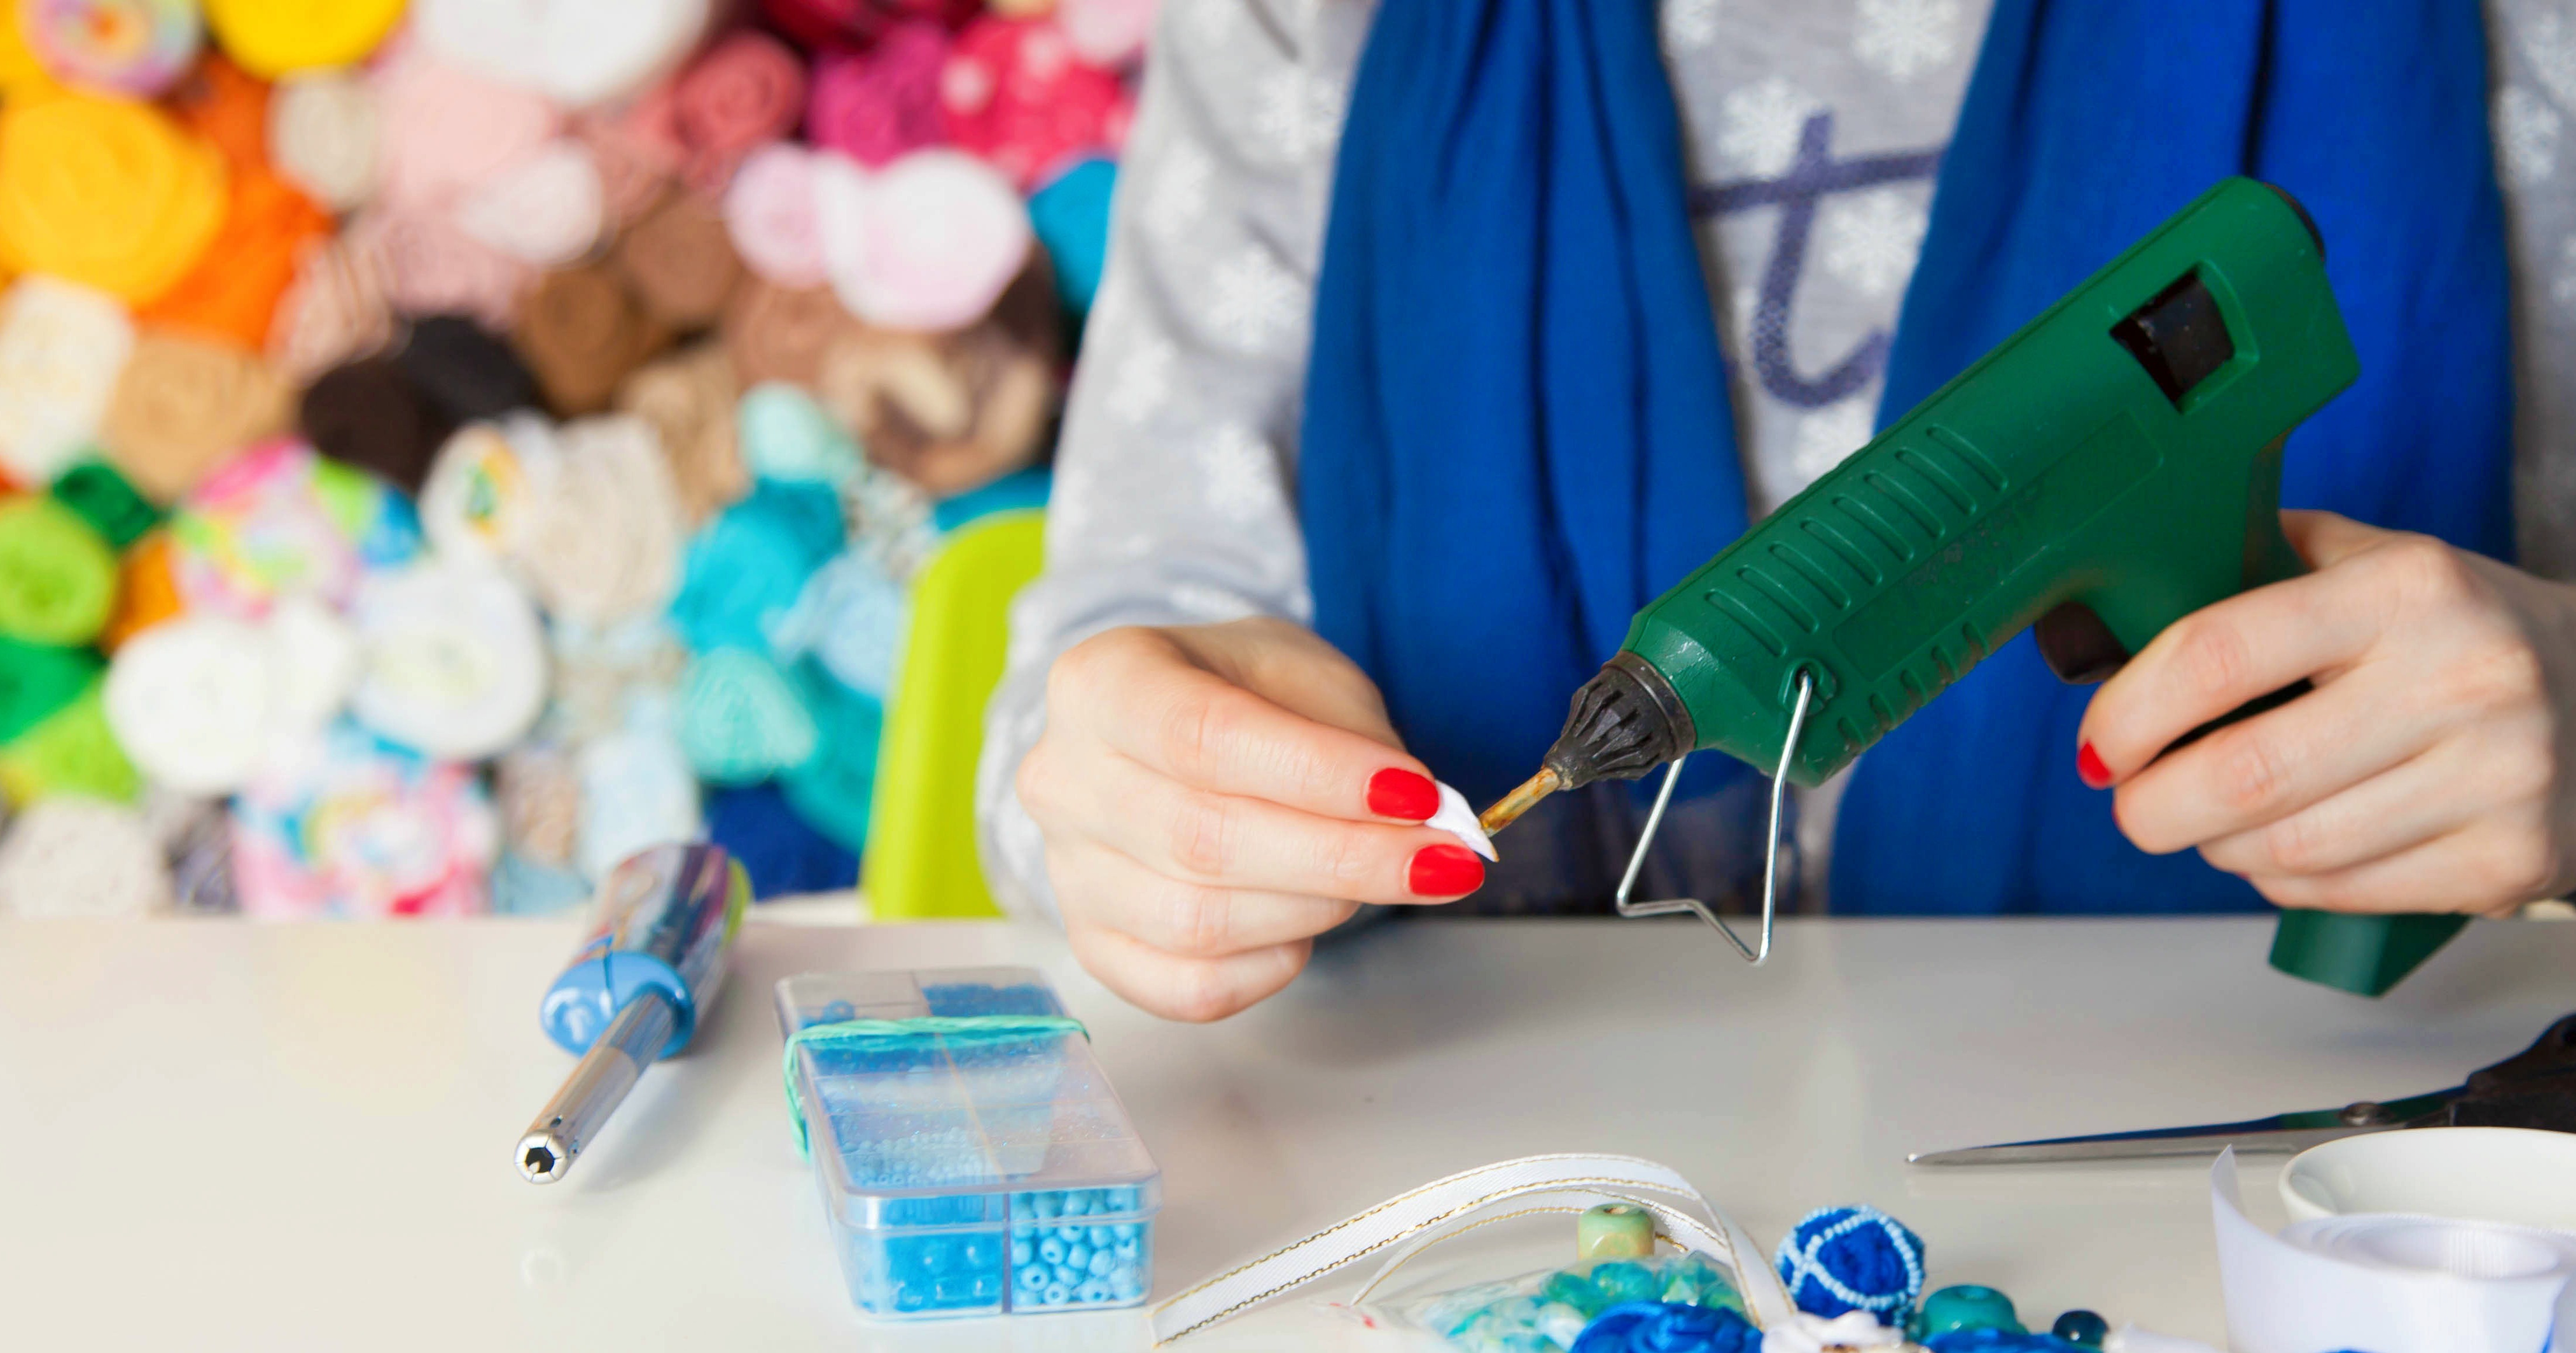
[223,1136]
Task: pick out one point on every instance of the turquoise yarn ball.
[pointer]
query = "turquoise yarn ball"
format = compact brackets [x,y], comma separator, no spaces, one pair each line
[1071,217]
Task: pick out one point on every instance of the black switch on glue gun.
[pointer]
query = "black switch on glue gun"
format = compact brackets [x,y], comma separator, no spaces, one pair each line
[635,990]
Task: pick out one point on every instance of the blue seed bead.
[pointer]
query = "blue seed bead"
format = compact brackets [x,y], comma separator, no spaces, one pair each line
[1050,1204]
[1022,1252]
[1071,1235]
[1092,1291]
[1123,1230]
[1033,1277]
[1102,1261]
[1077,1203]
[1125,1247]
[1078,1255]
[1051,1250]
[2082,1327]
[1056,1294]
[1068,1275]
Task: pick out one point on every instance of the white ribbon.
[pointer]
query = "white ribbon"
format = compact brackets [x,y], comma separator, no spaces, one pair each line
[1408,1223]
[2388,1282]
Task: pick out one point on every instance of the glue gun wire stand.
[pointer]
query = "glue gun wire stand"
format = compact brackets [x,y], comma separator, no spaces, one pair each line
[597,1085]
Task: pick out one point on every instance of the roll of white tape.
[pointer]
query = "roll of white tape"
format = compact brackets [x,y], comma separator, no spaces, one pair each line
[2390,1283]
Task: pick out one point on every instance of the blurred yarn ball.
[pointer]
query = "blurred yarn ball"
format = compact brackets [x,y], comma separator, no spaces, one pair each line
[62,349]
[881,103]
[453,662]
[1071,217]
[1109,34]
[322,133]
[740,719]
[335,309]
[57,574]
[134,48]
[107,193]
[857,23]
[199,703]
[680,261]
[444,130]
[602,539]
[583,331]
[425,265]
[689,397]
[547,209]
[849,618]
[464,370]
[38,679]
[271,38]
[183,405]
[348,826]
[70,751]
[279,519]
[788,437]
[781,852]
[368,414]
[575,52]
[928,243]
[636,790]
[836,788]
[776,333]
[744,571]
[1019,97]
[233,293]
[82,857]
[769,215]
[952,412]
[746,90]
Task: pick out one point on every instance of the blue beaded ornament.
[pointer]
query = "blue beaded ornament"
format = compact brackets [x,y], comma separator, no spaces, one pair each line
[1840,1259]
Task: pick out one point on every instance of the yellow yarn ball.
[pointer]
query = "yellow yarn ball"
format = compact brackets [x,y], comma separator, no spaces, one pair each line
[270,38]
[107,193]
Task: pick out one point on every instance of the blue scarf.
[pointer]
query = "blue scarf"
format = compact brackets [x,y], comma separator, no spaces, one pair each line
[1517,431]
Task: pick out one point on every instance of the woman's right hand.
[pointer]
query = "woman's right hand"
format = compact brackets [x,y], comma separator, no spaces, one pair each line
[1215,796]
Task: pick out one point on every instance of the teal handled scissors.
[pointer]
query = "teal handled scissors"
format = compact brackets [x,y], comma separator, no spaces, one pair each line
[2535,1088]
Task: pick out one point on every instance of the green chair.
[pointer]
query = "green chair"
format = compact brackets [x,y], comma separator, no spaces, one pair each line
[920,863]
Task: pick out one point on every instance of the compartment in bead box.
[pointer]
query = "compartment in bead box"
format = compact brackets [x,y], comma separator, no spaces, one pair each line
[969,1170]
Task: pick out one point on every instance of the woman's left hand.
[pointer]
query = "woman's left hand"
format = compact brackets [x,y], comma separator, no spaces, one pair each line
[2428,770]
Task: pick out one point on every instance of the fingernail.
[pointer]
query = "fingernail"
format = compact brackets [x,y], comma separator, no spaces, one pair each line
[2088,766]
[1445,871]
[1402,793]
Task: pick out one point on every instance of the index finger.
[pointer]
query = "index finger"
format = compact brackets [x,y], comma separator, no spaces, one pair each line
[1204,731]
[2214,660]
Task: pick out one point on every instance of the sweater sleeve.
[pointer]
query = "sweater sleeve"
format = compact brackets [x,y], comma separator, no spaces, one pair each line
[1173,499]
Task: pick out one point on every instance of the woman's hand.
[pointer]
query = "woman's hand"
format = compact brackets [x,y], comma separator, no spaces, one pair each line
[2428,770]
[1214,797]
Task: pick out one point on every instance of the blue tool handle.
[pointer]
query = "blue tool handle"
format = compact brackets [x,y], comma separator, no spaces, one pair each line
[666,918]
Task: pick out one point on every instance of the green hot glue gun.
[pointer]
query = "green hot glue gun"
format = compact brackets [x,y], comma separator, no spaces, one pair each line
[2109,469]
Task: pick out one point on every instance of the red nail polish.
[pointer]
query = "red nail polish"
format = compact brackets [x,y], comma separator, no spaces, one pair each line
[1445,871]
[1401,793]
[2088,766]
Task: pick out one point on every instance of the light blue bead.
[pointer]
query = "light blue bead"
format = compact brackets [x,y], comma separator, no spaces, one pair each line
[1022,1252]
[1052,1249]
[1077,1203]
[1033,1277]
[1092,1291]
[1125,1230]
[1072,1235]
[1125,1247]
[1078,1255]
[1069,1275]
[1056,1294]
[1128,1285]
[1102,1261]
[1050,1204]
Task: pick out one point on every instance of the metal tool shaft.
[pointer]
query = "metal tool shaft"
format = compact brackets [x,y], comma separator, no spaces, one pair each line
[597,1085]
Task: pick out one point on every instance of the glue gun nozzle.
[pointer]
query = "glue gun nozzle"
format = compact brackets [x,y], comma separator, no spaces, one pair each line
[1508,811]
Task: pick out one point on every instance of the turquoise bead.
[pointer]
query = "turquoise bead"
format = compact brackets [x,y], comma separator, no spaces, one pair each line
[2082,1327]
[1624,1280]
[1966,1307]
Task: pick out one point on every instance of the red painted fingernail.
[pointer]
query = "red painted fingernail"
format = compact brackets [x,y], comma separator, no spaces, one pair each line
[2088,765]
[1445,871]
[1401,793]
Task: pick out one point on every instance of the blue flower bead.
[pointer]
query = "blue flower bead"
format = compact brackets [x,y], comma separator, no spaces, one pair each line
[1668,1327]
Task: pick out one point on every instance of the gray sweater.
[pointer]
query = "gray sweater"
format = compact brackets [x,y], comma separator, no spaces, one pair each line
[1813,128]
